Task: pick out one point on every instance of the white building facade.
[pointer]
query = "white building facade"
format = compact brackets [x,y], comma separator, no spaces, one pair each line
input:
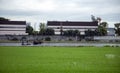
[69,25]
[13,28]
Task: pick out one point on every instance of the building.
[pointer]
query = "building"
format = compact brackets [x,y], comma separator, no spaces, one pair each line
[12,27]
[71,25]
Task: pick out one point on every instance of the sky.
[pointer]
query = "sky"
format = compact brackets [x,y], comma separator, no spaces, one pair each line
[36,11]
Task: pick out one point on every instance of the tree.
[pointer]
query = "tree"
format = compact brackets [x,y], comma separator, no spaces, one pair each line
[71,33]
[117,25]
[42,31]
[42,28]
[93,18]
[3,19]
[68,33]
[89,32]
[102,29]
[98,19]
[29,30]
[76,33]
[104,24]
[97,32]
[35,33]
[47,31]
[117,28]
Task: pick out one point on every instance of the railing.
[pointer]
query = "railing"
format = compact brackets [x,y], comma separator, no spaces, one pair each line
[106,37]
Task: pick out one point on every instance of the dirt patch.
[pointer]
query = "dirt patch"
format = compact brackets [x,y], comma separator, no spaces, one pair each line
[110,56]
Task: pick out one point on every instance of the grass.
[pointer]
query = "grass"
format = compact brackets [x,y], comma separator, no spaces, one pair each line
[59,59]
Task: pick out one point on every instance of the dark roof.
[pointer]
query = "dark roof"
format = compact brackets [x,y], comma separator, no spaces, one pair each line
[13,22]
[71,23]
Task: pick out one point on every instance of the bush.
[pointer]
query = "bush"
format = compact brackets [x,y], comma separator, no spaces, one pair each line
[70,39]
[35,42]
[117,41]
[14,39]
[47,39]
[117,46]
[89,38]
[107,46]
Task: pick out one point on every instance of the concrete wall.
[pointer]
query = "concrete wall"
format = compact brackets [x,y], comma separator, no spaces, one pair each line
[58,38]
[107,38]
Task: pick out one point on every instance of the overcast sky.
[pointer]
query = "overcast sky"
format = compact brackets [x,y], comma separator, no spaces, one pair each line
[60,10]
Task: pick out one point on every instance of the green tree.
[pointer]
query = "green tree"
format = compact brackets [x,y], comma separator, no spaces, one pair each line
[76,33]
[42,28]
[47,31]
[104,24]
[3,19]
[35,33]
[71,33]
[68,33]
[102,28]
[89,32]
[93,18]
[29,30]
[117,28]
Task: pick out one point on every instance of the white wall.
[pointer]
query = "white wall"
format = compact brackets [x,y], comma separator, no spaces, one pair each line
[13,33]
[12,29]
[73,27]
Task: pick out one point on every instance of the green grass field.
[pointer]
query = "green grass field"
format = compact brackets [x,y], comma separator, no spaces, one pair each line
[59,59]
